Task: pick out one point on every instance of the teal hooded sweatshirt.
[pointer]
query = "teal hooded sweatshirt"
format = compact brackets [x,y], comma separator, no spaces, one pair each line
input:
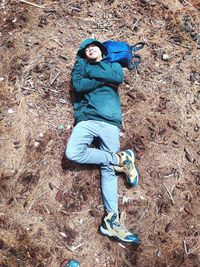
[95,88]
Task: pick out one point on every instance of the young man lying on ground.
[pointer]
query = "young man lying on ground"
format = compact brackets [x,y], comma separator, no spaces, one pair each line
[97,114]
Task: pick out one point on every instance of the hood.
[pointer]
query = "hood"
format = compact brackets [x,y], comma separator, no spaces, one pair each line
[85,43]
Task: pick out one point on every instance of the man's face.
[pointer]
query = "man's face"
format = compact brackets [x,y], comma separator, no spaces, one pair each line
[93,53]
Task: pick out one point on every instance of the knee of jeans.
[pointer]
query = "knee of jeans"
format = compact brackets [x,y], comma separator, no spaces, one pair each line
[73,154]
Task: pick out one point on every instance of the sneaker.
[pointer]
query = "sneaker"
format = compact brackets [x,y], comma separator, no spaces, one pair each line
[111,227]
[126,165]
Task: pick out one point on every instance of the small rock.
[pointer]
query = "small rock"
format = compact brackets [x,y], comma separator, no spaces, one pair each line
[10,111]
[1,78]
[165,57]
[125,200]
[41,135]
[2,163]
[36,144]
[158,253]
[61,128]
[45,162]
[63,234]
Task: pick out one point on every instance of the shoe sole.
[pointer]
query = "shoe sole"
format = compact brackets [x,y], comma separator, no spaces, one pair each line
[103,232]
[136,180]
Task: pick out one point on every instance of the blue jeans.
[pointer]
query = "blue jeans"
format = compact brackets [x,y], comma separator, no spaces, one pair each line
[78,150]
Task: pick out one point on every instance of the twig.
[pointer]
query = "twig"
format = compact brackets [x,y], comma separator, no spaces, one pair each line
[77,246]
[169,175]
[170,194]
[126,113]
[55,77]
[72,2]
[191,6]
[31,205]
[29,89]
[47,210]
[120,244]
[184,46]
[28,67]
[126,261]
[52,90]
[6,138]
[74,212]
[142,215]
[136,21]
[185,247]
[160,217]
[32,4]
[73,248]
[30,164]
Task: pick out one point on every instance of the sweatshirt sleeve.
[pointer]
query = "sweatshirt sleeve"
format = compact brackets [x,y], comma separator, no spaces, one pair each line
[81,83]
[109,73]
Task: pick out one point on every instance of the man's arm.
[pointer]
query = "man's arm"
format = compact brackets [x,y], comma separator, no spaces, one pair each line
[109,73]
[81,83]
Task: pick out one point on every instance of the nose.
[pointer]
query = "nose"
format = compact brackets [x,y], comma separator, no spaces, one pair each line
[91,48]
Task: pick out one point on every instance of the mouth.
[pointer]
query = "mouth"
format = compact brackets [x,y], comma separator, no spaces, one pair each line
[92,54]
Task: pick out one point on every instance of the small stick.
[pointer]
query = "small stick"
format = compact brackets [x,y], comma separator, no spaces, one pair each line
[168,175]
[77,246]
[142,215]
[187,2]
[126,261]
[52,90]
[136,21]
[6,138]
[73,248]
[185,247]
[126,113]
[30,164]
[30,207]
[184,46]
[75,212]
[155,221]
[29,89]
[170,194]
[47,210]
[31,4]
[32,62]
[121,245]
[55,77]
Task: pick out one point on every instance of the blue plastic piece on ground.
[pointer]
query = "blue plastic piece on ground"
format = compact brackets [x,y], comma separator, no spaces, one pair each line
[73,263]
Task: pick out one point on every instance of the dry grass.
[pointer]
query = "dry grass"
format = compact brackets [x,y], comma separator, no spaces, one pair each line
[51,209]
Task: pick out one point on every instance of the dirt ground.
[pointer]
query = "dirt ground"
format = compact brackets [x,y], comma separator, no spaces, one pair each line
[50,209]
